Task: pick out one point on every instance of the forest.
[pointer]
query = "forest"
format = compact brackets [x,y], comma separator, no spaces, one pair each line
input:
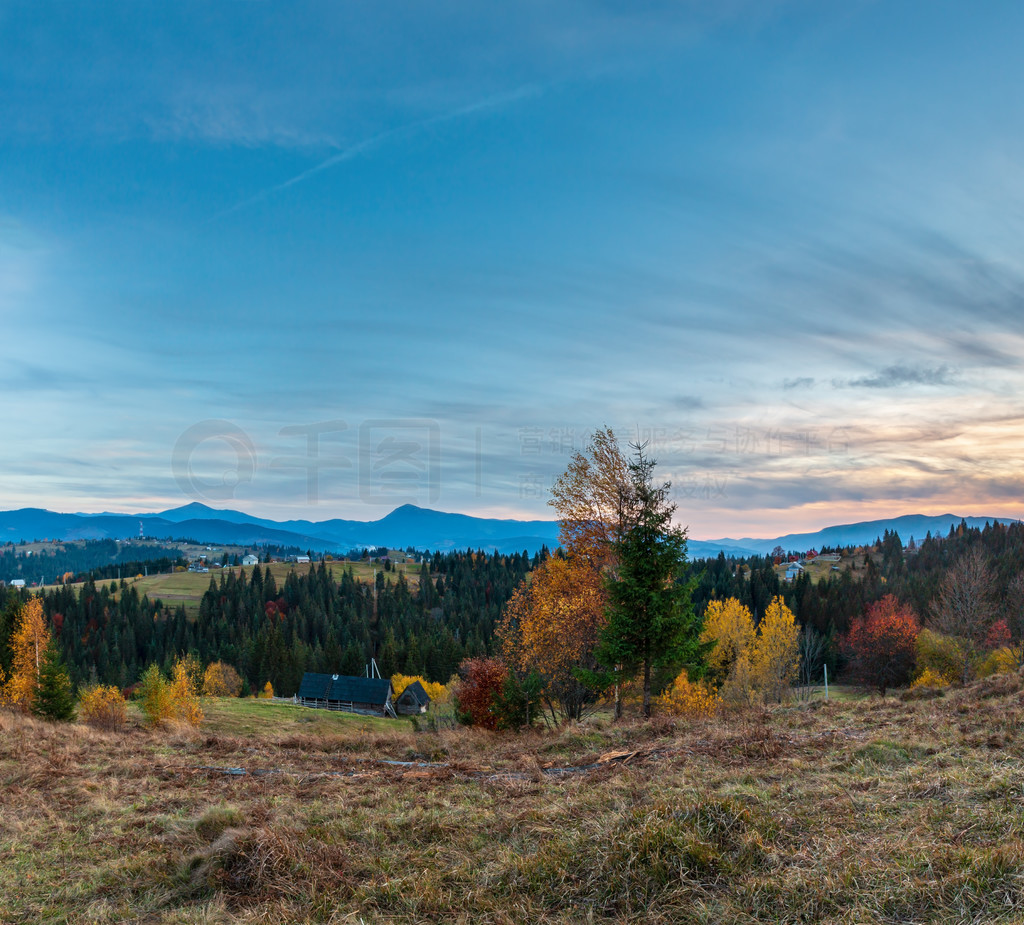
[107,633]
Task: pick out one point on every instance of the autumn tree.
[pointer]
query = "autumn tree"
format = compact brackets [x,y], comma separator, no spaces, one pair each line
[27,644]
[776,655]
[221,680]
[964,608]
[882,644]
[588,498]
[651,622]
[551,625]
[480,684]
[729,629]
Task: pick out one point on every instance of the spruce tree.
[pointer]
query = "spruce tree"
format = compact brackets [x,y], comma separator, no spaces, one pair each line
[651,620]
[53,697]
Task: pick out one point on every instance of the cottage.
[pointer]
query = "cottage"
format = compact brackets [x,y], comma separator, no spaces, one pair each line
[371,696]
[414,699]
[793,570]
[250,559]
[18,583]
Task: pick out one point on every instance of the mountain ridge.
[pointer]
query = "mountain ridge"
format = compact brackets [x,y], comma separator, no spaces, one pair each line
[421,528]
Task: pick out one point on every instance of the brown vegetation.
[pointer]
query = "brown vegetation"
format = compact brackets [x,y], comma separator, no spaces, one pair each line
[875,810]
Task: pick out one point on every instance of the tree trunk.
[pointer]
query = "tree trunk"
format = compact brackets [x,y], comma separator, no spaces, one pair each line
[647,688]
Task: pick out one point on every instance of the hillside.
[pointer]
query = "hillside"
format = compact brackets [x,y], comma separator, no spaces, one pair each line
[855,810]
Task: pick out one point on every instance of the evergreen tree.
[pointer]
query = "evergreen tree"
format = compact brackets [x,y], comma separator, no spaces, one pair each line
[53,697]
[651,621]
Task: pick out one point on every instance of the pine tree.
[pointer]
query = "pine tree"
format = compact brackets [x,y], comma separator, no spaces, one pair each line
[651,620]
[53,696]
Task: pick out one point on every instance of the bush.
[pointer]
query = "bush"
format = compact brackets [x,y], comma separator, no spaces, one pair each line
[998,661]
[171,701]
[930,679]
[687,699]
[103,706]
[481,684]
[942,654]
[220,680]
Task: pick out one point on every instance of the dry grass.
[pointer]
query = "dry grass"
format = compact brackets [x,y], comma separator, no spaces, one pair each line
[846,812]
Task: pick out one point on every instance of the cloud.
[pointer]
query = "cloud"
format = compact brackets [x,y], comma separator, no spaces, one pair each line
[803,382]
[894,377]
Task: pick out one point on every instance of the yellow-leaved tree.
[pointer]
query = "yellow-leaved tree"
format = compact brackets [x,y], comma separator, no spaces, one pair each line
[752,665]
[28,644]
[730,627]
[221,680]
[437,692]
[776,656]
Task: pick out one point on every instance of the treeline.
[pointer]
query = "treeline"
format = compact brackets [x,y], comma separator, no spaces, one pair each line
[108,633]
[833,602]
[98,558]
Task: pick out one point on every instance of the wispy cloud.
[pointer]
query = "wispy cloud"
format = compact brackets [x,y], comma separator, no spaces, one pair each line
[894,377]
[488,104]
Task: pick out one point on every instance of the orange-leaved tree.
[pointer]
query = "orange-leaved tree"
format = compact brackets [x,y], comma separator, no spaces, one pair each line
[882,644]
[28,646]
[551,625]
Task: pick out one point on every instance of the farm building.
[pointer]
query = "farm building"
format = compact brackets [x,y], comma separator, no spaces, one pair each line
[250,559]
[414,699]
[793,570]
[347,694]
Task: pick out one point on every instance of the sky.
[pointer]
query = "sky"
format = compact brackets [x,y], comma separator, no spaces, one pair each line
[315,260]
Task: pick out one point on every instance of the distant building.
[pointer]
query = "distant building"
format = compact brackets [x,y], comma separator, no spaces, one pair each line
[414,699]
[793,571]
[348,694]
[250,559]
[18,583]
[302,558]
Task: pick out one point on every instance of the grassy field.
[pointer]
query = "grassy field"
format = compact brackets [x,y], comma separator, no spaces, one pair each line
[852,811]
[188,588]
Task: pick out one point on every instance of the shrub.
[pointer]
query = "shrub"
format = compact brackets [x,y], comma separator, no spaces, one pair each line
[184,693]
[155,694]
[482,680]
[940,653]
[931,680]
[103,706]
[220,680]
[690,700]
[998,661]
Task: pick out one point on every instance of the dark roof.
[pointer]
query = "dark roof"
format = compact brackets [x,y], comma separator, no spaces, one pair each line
[344,688]
[416,692]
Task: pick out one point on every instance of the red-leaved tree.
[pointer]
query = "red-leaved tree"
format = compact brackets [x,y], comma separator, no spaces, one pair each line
[480,685]
[881,645]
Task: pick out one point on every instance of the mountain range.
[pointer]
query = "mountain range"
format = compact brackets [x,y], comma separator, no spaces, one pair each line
[417,527]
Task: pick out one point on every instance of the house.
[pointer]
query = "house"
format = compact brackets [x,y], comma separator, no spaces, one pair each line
[18,583]
[371,696]
[301,559]
[250,559]
[414,699]
[793,571]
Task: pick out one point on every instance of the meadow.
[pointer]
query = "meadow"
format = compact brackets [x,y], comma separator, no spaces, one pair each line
[858,809]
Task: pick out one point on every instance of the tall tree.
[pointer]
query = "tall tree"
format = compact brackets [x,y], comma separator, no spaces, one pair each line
[964,607]
[651,620]
[28,643]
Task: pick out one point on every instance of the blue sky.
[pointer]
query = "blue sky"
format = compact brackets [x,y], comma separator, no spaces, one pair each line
[315,260]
